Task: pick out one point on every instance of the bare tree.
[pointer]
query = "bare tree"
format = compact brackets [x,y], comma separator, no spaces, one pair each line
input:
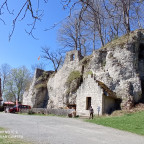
[124,12]
[96,18]
[123,15]
[28,6]
[55,58]
[68,34]
[73,34]
[38,65]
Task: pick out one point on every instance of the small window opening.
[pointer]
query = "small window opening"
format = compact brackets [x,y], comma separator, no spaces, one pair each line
[72,57]
[88,103]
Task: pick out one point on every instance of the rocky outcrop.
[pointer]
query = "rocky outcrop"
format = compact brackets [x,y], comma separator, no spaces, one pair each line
[37,95]
[57,85]
[119,66]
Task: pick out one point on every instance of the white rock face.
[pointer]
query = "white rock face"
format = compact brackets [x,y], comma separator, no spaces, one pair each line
[37,95]
[28,95]
[56,85]
[119,65]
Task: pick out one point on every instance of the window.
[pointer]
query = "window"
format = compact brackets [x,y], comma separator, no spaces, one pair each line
[72,57]
[88,103]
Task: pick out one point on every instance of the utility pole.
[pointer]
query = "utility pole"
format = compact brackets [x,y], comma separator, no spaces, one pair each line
[0,93]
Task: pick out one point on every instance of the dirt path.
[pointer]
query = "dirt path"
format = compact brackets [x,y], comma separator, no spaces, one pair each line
[57,130]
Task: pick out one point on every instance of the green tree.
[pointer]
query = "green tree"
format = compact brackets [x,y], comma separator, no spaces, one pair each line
[4,72]
[18,80]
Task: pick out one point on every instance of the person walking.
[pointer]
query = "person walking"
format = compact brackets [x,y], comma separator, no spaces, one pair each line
[91,112]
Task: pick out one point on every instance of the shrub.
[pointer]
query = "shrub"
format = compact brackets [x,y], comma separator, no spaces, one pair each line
[73,81]
[31,112]
[73,76]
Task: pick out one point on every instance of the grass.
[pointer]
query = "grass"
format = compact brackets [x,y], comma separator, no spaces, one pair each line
[7,138]
[132,122]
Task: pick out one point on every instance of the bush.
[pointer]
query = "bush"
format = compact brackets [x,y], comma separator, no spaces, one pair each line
[73,76]
[31,112]
[1,108]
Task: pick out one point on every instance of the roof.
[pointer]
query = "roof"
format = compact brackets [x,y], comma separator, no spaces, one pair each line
[107,91]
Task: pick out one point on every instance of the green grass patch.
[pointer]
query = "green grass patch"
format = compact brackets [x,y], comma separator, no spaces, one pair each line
[7,137]
[133,122]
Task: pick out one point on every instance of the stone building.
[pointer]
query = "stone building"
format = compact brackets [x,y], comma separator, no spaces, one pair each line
[94,93]
[107,79]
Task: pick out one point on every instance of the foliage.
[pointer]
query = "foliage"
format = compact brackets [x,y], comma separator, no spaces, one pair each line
[129,122]
[73,76]
[4,72]
[17,81]
[1,108]
[31,112]
[73,81]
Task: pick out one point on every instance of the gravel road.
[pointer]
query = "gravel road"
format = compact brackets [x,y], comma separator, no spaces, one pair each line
[58,130]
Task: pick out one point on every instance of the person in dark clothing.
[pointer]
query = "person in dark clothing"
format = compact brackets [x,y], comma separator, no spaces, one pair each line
[91,112]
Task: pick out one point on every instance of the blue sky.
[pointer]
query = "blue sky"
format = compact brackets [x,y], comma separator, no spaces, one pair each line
[23,49]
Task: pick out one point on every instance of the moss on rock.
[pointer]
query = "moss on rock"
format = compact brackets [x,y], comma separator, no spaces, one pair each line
[73,81]
[73,76]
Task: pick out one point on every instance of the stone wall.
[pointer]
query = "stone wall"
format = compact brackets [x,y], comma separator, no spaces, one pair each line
[89,88]
[59,112]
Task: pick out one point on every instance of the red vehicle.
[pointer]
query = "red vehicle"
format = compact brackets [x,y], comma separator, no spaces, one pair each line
[20,107]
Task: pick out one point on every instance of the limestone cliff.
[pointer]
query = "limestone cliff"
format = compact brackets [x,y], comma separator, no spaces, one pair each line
[119,66]
[37,95]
